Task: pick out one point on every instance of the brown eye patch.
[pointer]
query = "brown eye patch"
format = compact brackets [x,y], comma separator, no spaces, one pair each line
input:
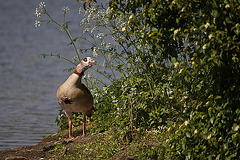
[85,59]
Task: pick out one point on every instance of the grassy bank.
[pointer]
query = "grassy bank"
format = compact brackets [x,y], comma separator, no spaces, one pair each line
[105,145]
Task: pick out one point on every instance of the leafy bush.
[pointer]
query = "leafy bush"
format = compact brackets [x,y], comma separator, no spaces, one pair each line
[179,67]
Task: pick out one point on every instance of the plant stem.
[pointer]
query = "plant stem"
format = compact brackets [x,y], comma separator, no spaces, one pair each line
[67,32]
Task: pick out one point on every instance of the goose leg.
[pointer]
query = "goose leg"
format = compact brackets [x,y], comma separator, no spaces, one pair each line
[84,125]
[70,128]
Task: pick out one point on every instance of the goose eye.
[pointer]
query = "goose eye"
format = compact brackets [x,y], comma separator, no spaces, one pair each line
[85,59]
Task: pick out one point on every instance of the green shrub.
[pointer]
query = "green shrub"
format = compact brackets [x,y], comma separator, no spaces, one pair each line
[179,67]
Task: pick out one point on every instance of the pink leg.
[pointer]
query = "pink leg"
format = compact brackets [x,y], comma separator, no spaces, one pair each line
[70,128]
[84,121]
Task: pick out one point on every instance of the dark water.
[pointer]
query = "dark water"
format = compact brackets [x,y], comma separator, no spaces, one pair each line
[28,83]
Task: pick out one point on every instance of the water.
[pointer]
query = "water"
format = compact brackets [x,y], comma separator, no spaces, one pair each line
[28,83]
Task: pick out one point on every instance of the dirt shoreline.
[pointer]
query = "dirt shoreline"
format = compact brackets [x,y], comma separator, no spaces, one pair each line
[43,149]
[37,151]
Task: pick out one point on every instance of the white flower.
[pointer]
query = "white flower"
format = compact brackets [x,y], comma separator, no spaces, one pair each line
[196,131]
[185,97]
[180,71]
[169,92]
[83,21]
[103,44]
[236,128]
[176,31]
[38,13]
[204,46]
[95,54]
[206,25]
[176,64]
[114,99]
[209,136]
[108,46]
[42,5]
[105,89]
[210,36]
[37,23]
[123,29]
[130,17]
[152,65]
[65,10]
[80,10]
[133,89]
[183,9]
[40,9]
[86,30]
[100,35]
[227,6]
[186,123]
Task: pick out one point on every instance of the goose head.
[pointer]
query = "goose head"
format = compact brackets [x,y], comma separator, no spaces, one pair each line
[85,63]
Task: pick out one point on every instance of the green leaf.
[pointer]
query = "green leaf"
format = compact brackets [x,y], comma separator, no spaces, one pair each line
[173,60]
[215,13]
[228,20]
[188,134]
[212,120]
[187,79]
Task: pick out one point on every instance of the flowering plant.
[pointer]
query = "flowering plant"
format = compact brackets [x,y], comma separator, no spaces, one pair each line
[172,66]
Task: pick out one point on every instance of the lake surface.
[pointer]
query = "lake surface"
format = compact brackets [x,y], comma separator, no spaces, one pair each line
[28,82]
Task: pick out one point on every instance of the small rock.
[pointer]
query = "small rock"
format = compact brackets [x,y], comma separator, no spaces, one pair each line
[48,148]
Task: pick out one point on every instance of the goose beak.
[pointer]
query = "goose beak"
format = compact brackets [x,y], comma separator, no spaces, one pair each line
[92,62]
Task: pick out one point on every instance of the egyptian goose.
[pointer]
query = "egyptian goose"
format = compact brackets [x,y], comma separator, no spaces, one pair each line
[73,96]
